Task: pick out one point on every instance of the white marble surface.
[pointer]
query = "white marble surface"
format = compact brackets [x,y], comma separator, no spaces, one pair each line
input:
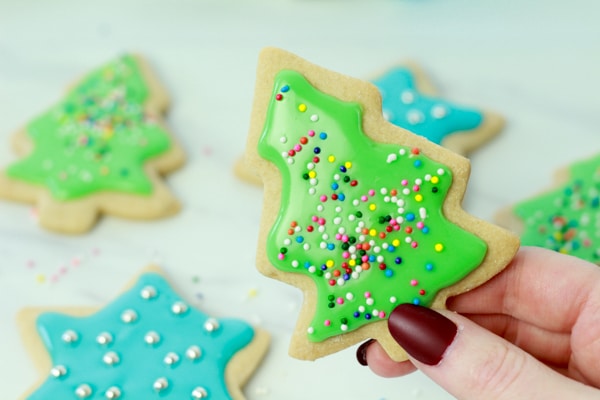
[535,62]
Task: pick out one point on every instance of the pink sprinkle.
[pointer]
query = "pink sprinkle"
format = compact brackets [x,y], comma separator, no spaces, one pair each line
[364,258]
[338,236]
[345,238]
[340,300]
[404,182]
[393,222]
[416,188]
[367,295]
[30,264]
[346,254]
[323,198]
[311,133]
[364,198]
[414,282]
[420,225]
[327,322]
[321,221]
[75,262]
[371,193]
[281,256]
[397,227]
[414,245]
[382,314]
[297,147]
[314,218]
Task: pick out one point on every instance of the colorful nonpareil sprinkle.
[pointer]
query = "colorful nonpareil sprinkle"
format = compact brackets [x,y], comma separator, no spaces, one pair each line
[363,219]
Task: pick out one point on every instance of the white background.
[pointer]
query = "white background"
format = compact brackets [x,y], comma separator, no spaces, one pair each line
[535,62]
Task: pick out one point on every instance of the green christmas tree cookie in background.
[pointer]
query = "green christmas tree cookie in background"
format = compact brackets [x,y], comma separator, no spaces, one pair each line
[101,149]
[566,218]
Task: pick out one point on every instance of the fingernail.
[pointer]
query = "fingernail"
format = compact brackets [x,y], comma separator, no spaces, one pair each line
[361,352]
[424,334]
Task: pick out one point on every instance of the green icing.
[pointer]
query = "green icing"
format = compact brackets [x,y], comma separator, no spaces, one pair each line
[97,138]
[567,219]
[363,219]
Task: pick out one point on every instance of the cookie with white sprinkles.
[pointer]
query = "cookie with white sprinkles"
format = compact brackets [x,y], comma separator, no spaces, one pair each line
[147,343]
[358,213]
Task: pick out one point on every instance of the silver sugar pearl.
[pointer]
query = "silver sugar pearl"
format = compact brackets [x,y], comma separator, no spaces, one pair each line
[105,338]
[407,96]
[151,338]
[415,117]
[111,358]
[179,307]
[148,292]
[70,336]
[199,393]
[193,352]
[439,111]
[171,358]
[160,384]
[58,371]
[211,325]
[129,316]
[83,391]
[113,393]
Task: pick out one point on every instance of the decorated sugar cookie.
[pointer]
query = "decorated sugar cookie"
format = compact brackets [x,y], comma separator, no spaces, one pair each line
[100,149]
[409,100]
[566,218]
[358,213]
[149,343]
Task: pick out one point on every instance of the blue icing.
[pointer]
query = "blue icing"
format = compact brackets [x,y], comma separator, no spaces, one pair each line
[427,116]
[140,364]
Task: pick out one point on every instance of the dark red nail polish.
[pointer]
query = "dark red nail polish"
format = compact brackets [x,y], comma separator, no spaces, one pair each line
[361,352]
[424,334]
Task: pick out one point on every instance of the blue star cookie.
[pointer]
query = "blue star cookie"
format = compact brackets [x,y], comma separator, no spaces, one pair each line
[409,101]
[146,344]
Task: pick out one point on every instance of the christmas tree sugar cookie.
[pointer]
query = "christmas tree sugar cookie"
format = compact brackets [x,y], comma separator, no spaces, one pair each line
[358,213]
[100,150]
[148,343]
[565,218]
[410,101]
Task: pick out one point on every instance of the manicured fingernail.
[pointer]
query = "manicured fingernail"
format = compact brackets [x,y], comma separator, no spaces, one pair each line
[422,332]
[361,352]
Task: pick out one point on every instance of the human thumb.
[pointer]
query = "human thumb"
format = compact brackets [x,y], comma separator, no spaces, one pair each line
[473,363]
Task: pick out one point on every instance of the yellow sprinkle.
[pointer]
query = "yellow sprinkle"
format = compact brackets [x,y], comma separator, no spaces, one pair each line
[312,174]
[348,164]
[373,232]
[439,247]
[302,107]
[329,263]
[331,158]
[352,263]
[252,292]
[419,197]
[372,207]
[396,242]
[558,236]
[107,134]
[563,251]
[40,278]
[435,179]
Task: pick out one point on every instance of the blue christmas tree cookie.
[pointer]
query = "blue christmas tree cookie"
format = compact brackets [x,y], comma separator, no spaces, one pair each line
[410,101]
[146,344]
